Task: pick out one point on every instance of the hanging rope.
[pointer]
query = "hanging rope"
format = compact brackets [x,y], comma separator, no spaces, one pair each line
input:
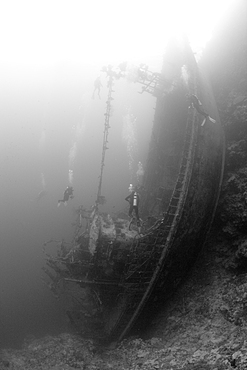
[149,80]
[110,73]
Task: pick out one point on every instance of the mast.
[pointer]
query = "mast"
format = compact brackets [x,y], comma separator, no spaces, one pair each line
[107,115]
[152,82]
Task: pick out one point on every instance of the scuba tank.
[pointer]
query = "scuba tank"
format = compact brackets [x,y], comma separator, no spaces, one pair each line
[135,199]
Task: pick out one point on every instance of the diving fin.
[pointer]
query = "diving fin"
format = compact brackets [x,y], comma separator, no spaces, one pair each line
[211,119]
[203,122]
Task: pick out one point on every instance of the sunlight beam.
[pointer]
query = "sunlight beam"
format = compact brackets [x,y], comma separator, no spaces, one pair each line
[43,32]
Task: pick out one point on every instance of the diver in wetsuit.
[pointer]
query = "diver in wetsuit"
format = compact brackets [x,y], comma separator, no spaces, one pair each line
[97,86]
[195,103]
[133,198]
[68,193]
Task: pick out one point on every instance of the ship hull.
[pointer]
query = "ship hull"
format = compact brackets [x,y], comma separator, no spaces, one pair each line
[125,272]
[192,185]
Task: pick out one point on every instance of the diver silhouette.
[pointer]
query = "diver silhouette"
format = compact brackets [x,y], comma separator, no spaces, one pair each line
[133,198]
[68,193]
[195,103]
[97,86]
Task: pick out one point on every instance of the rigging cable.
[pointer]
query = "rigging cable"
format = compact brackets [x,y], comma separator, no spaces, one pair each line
[100,199]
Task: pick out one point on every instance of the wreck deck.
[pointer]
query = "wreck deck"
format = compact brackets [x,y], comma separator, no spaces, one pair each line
[126,272]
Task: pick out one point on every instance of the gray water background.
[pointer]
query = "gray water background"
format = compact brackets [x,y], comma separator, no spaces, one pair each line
[55,99]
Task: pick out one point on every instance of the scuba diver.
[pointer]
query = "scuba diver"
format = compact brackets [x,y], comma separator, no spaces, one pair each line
[134,200]
[68,193]
[195,103]
[97,86]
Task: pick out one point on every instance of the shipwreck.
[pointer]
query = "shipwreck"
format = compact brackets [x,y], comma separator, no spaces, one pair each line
[114,274]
